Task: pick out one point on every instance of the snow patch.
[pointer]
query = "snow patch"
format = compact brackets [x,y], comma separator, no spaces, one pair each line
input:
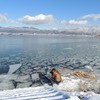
[69,84]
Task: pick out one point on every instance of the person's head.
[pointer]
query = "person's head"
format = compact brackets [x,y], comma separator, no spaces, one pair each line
[52,70]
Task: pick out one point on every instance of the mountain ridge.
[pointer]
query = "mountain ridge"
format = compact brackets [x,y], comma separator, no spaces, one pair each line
[32,31]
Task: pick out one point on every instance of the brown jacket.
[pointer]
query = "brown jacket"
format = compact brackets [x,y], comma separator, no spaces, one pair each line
[56,75]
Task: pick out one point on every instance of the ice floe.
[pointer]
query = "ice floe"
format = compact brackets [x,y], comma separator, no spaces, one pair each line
[13,68]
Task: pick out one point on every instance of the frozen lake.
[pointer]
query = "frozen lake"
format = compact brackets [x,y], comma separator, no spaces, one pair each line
[35,53]
[43,51]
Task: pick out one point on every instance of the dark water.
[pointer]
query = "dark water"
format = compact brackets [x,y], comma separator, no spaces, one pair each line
[48,50]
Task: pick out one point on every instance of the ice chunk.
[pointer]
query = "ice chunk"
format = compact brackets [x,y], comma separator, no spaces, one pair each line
[13,68]
[5,85]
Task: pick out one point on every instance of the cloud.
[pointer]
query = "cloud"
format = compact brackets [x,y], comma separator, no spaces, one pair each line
[37,20]
[3,18]
[75,22]
[64,22]
[80,22]
[93,16]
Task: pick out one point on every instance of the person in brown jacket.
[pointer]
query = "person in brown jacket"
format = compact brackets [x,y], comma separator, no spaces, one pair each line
[56,75]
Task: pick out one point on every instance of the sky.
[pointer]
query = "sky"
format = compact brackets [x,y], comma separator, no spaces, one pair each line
[52,14]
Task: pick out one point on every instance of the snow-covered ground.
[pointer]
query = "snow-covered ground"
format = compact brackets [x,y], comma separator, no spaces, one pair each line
[29,87]
[46,92]
[37,93]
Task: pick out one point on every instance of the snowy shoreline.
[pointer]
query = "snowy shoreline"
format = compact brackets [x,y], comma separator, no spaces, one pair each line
[46,93]
[71,88]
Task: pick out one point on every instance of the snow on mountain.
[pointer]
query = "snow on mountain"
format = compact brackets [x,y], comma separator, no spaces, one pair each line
[32,31]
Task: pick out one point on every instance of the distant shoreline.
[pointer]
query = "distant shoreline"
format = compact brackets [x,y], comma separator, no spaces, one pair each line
[27,34]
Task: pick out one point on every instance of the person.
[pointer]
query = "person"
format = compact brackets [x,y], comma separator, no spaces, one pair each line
[56,76]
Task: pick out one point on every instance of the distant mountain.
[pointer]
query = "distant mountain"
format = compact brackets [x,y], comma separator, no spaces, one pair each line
[32,31]
[18,29]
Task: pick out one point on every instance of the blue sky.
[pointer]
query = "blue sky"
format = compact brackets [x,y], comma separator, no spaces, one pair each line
[50,13]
